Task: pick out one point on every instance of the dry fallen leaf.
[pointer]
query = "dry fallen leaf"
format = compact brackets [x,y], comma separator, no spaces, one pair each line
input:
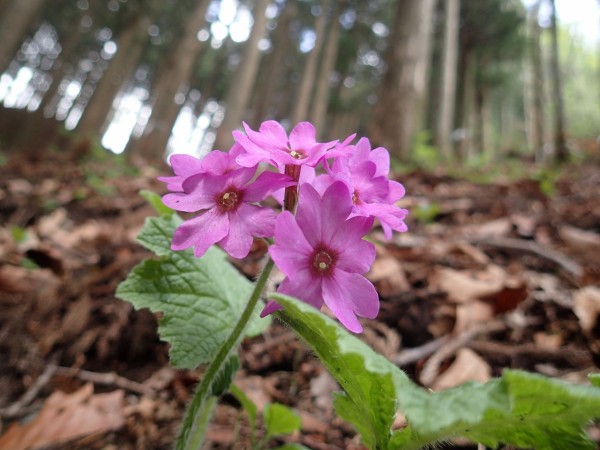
[579,238]
[65,417]
[468,366]
[469,315]
[387,274]
[465,286]
[586,305]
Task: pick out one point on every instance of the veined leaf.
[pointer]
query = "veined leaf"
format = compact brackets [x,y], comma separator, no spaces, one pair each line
[369,380]
[200,299]
[520,409]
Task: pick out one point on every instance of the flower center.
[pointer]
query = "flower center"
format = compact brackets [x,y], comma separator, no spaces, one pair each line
[229,200]
[323,261]
[297,154]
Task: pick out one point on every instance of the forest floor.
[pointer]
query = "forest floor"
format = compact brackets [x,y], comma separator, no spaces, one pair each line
[491,275]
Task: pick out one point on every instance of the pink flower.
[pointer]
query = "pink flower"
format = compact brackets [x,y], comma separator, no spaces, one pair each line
[229,218]
[365,173]
[323,256]
[271,144]
[215,162]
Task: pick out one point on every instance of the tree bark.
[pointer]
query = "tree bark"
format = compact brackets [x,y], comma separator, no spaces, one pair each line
[59,67]
[241,86]
[398,113]
[303,97]
[537,81]
[14,23]
[177,72]
[265,98]
[321,98]
[561,153]
[130,46]
[445,117]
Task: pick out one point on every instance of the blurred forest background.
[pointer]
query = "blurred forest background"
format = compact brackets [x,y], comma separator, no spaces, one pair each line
[490,108]
[433,81]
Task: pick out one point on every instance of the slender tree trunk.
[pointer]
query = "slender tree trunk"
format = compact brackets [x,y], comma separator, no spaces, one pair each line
[445,117]
[14,23]
[465,135]
[303,97]
[59,68]
[241,86]
[270,83]
[120,68]
[321,98]
[176,73]
[398,114]
[561,153]
[536,82]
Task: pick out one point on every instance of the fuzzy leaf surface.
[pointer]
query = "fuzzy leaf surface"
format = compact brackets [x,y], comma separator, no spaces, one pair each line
[200,299]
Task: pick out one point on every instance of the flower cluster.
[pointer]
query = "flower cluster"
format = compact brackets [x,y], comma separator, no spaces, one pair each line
[331,191]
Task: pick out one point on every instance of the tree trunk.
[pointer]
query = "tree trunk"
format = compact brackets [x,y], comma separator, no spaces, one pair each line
[466,101]
[561,153]
[304,94]
[270,83]
[536,83]
[14,23]
[241,86]
[445,117]
[177,72]
[398,113]
[321,98]
[59,67]
[130,46]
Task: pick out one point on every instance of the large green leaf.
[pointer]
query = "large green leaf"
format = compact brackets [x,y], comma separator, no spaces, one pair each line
[370,382]
[521,409]
[200,299]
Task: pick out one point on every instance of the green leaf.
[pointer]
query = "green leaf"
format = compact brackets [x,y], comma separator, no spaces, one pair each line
[520,409]
[200,300]
[280,420]
[246,403]
[156,202]
[594,379]
[369,380]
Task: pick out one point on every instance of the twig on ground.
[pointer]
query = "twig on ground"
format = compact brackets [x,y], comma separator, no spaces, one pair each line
[109,378]
[533,247]
[431,367]
[20,407]
[574,356]
[412,355]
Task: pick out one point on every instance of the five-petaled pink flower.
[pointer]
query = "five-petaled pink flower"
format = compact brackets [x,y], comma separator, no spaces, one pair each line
[230,219]
[271,144]
[323,256]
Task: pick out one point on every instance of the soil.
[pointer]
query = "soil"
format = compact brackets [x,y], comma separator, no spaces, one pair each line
[491,275]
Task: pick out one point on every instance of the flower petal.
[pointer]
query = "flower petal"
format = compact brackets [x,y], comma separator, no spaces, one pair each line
[238,241]
[309,214]
[291,250]
[259,221]
[200,192]
[270,135]
[349,295]
[304,287]
[381,157]
[303,137]
[265,184]
[201,232]
[335,209]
